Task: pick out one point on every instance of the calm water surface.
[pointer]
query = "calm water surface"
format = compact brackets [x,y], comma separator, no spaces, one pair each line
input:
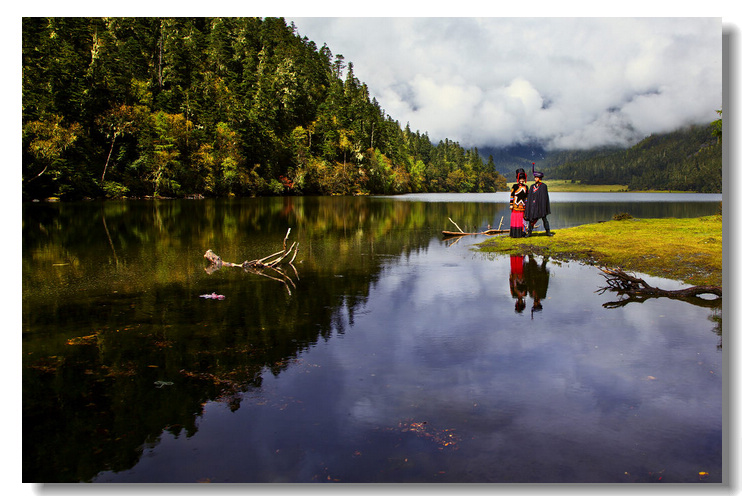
[392,355]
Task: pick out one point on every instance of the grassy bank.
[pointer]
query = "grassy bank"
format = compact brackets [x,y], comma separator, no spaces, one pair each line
[567,186]
[564,186]
[689,250]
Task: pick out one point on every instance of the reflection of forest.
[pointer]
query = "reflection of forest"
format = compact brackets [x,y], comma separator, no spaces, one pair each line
[117,347]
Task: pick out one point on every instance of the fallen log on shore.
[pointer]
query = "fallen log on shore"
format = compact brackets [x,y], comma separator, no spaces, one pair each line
[638,289]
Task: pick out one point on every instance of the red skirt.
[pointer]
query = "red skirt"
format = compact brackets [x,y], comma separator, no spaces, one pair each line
[516,224]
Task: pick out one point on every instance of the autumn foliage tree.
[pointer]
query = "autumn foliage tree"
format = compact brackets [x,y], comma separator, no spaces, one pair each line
[213,106]
[47,139]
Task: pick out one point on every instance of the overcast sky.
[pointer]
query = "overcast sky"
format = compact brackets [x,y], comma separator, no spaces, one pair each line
[564,82]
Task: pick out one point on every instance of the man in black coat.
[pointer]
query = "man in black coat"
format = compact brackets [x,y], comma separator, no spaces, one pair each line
[537,204]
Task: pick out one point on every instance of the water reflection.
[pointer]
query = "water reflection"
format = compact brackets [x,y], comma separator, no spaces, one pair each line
[121,356]
[518,287]
[537,279]
[630,289]
[275,266]
[118,346]
[528,277]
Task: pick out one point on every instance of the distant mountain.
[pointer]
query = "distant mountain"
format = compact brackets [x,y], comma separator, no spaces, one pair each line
[688,159]
[508,159]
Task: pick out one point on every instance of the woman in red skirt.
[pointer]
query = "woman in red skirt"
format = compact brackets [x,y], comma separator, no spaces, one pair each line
[518,195]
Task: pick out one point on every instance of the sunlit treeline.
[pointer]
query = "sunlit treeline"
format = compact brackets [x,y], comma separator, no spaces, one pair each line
[132,107]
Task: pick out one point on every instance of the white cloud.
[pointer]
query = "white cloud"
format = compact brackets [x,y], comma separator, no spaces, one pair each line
[563,81]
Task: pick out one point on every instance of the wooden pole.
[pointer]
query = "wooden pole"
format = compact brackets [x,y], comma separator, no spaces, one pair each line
[455,224]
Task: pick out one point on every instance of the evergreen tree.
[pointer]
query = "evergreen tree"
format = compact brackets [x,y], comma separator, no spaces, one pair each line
[213,106]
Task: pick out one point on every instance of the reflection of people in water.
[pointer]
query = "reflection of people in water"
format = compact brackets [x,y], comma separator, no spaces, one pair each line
[528,278]
[518,288]
[537,280]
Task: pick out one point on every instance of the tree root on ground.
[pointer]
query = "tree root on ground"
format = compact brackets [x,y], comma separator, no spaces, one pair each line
[638,290]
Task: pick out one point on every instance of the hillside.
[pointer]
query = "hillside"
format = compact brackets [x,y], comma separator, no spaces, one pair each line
[689,159]
[191,107]
[174,107]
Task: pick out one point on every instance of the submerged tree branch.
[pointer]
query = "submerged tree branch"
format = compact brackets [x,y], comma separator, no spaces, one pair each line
[639,290]
[267,266]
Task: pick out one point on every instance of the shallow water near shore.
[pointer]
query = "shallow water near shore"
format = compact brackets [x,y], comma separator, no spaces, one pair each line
[391,354]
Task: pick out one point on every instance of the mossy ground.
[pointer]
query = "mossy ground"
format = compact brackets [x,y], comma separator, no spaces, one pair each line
[567,186]
[688,250]
[562,186]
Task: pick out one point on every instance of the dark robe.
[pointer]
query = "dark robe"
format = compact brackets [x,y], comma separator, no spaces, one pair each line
[537,204]
[537,278]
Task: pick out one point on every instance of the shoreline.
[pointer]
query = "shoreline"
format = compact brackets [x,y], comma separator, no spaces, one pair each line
[557,189]
[567,186]
[688,250]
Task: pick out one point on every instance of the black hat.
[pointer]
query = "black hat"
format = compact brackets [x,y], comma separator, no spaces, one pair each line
[535,172]
[520,173]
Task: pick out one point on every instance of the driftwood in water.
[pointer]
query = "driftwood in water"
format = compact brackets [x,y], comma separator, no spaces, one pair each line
[488,232]
[638,290]
[270,266]
[461,232]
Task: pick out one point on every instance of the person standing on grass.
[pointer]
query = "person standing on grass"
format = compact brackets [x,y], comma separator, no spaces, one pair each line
[518,195]
[537,203]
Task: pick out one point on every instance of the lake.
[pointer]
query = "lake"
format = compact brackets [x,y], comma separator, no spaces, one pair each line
[385,353]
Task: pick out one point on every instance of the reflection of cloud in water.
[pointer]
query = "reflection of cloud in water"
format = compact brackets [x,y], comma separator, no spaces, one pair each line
[575,393]
[458,350]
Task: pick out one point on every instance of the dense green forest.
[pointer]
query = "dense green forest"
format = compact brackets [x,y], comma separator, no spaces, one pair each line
[685,160]
[175,107]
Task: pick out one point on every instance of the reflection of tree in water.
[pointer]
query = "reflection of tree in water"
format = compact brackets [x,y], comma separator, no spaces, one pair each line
[119,348]
[632,289]
[528,278]
[715,317]
[151,362]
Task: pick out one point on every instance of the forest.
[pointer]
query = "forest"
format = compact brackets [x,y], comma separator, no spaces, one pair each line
[214,107]
[689,159]
[218,107]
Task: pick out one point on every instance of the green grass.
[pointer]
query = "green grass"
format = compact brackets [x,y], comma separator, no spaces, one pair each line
[561,185]
[689,250]
[567,186]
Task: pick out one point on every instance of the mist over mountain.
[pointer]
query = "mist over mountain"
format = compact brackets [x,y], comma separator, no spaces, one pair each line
[562,82]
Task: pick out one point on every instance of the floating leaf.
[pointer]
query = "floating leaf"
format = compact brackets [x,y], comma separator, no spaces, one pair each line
[91,339]
[212,296]
[445,438]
